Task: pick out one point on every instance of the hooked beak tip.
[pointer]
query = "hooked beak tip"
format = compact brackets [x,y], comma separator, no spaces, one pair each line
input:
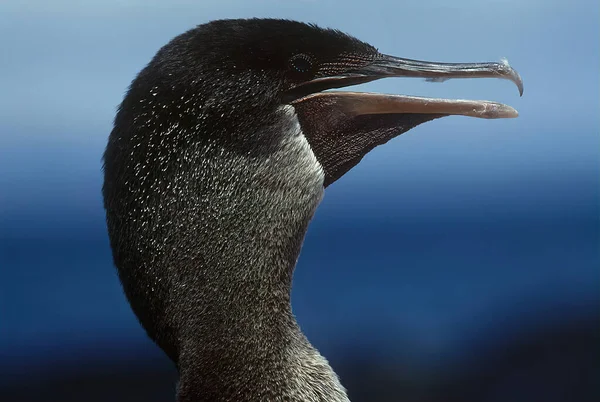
[513,75]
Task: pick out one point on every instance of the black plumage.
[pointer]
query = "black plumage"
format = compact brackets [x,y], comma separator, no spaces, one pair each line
[217,161]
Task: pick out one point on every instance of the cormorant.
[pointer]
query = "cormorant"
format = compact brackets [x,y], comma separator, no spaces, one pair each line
[219,156]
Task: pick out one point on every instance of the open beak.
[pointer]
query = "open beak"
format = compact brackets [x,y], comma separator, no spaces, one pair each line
[342,127]
[390,66]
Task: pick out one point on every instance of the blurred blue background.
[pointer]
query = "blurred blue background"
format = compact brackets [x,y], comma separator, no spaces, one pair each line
[461,259]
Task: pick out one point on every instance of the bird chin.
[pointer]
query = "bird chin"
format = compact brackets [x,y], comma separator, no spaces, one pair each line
[342,127]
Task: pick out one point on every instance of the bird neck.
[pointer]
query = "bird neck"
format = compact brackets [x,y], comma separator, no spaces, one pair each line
[271,362]
[241,226]
[241,341]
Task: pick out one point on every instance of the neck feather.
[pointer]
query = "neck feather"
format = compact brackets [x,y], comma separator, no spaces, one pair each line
[207,264]
[251,348]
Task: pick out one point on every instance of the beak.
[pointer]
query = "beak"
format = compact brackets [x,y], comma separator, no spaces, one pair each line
[342,127]
[390,66]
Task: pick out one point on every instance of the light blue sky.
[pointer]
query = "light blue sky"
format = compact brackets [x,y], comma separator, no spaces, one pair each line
[66,64]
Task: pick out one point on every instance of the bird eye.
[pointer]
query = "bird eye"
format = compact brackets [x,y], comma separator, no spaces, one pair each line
[301,63]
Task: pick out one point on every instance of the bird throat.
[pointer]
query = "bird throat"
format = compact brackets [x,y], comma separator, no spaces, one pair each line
[232,235]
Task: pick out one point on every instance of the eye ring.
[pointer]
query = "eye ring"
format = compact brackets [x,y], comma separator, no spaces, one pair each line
[301,63]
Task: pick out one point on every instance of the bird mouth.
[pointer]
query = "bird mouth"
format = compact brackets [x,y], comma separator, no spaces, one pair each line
[360,103]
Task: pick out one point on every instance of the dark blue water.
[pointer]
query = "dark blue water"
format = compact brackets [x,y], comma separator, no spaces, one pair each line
[441,272]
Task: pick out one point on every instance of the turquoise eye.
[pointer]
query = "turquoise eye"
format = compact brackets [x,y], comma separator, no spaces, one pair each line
[301,63]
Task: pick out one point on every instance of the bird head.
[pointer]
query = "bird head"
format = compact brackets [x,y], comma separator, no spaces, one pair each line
[234,74]
[218,158]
